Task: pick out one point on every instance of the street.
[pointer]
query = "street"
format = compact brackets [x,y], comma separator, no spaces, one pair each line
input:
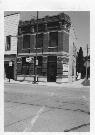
[35,108]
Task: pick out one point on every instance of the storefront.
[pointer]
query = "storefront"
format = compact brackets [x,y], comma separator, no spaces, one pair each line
[48,68]
[10,66]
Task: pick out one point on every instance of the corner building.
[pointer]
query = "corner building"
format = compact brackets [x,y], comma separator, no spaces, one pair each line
[11,23]
[50,45]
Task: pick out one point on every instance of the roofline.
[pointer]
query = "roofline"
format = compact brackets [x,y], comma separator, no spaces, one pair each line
[11,14]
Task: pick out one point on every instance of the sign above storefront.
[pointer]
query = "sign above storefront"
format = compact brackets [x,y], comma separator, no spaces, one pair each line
[29,59]
[19,60]
[36,62]
[10,63]
[65,73]
[65,67]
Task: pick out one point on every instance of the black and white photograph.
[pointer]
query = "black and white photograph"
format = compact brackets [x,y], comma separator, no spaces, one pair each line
[46,71]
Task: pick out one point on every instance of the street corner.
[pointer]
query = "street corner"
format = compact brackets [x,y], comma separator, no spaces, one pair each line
[53,121]
[25,122]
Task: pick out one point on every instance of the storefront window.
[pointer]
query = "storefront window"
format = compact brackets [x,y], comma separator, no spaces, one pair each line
[26,68]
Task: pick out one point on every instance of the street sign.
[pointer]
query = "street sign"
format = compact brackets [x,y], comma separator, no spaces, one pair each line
[65,67]
[36,62]
[10,63]
[29,59]
[19,60]
[65,73]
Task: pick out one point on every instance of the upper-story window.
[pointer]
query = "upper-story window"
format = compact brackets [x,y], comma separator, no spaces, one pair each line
[39,43]
[53,39]
[8,43]
[26,41]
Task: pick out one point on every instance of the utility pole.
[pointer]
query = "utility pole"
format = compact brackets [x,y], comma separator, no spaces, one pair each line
[87,63]
[35,68]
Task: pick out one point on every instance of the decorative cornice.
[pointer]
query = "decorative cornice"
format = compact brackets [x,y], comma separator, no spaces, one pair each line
[45,53]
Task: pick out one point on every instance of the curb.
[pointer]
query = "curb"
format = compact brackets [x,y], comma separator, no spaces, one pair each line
[69,85]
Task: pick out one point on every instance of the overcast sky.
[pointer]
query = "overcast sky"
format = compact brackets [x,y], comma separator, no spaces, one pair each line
[80,20]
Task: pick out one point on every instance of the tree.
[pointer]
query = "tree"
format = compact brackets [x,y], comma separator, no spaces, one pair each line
[87,61]
[80,62]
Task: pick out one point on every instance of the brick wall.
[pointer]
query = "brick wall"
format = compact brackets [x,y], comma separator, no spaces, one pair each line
[46,42]
[44,66]
[32,42]
[63,41]
[20,44]
[15,69]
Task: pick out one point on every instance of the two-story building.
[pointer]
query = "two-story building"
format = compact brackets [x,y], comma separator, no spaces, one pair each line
[47,40]
[10,40]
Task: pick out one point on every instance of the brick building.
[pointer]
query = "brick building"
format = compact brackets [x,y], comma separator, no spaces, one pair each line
[10,41]
[50,45]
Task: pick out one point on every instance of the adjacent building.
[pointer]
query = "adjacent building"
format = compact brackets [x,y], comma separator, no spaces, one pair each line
[10,41]
[46,47]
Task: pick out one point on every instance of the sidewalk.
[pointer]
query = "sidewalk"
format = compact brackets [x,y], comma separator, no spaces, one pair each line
[75,84]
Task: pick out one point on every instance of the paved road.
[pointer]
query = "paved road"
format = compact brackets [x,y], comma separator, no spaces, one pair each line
[35,108]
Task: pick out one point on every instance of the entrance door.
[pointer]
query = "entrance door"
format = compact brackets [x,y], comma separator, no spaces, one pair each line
[51,68]
[9,71]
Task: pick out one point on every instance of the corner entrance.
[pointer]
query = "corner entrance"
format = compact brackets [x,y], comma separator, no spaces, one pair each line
[51,68]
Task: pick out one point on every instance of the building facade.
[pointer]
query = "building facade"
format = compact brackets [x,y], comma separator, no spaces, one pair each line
[72,54]
[10,40]
[44,49]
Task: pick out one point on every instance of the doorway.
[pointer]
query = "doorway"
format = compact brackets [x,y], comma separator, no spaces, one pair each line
[9,71]
[51,68]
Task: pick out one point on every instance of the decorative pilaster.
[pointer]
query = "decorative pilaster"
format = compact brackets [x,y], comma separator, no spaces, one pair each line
[32,43]
[60,25]
[44,66]
[46,28]
[15,69]
[46,42]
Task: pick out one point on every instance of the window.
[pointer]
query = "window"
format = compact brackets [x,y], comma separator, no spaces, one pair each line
[24,68]
[53,25]
[26,41]
[8,43]
[39,41]
[53,39]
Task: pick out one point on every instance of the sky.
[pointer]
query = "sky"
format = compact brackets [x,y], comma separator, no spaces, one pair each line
[80,21]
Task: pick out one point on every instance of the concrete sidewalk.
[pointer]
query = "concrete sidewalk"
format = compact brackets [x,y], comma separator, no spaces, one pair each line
[75,84]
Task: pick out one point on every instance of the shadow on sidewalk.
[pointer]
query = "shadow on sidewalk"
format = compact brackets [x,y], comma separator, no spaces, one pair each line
[86,82]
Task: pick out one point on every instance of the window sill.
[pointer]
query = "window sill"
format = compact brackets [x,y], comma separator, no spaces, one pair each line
[37,48]
[25,48]
[52,47]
